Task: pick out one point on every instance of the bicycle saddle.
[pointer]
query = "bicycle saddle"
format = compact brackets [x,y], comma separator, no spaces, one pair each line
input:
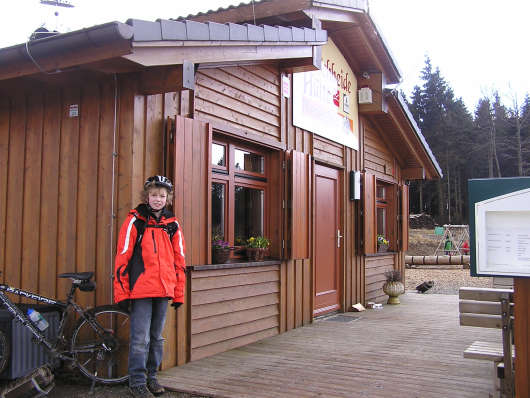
[84,276]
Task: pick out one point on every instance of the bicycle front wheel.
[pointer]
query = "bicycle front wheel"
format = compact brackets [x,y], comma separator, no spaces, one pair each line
[103,358]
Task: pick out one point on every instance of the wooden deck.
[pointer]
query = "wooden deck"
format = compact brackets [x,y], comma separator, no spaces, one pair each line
[410,350]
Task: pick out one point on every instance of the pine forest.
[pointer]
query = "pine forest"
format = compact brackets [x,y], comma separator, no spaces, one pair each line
[491,142]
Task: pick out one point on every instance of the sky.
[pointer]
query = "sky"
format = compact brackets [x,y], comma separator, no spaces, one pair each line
[480,46]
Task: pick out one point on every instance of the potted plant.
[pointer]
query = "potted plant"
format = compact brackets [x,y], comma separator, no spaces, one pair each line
[220,251]
[382,243]
[393,286]
[256,247]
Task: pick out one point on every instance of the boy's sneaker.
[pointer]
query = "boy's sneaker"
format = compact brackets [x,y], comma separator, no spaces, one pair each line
[155,387]
[140,391]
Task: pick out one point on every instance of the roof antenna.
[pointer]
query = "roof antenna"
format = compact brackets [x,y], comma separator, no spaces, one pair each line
[253,12]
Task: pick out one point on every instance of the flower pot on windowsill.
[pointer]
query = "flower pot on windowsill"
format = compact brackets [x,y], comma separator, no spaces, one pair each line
[256,253]
[382,248]
[220,256]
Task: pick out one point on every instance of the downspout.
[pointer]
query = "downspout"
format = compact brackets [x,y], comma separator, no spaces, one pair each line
[113,185]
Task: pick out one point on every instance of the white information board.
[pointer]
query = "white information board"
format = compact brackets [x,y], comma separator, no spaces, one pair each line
[503,234]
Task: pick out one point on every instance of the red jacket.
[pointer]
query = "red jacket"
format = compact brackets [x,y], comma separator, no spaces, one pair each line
[157,267]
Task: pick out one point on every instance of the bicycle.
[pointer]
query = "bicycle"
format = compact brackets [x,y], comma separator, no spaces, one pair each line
[99,343]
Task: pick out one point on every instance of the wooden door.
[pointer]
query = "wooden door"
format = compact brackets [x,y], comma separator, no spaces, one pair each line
[327,243]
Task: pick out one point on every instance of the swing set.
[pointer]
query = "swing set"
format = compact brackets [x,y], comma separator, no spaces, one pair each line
[454,239]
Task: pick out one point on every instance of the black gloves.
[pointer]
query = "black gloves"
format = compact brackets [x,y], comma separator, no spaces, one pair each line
[175,305]
[125,305]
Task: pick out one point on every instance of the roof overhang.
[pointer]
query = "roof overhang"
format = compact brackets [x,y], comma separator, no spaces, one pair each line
[62,52]
[117,47]
[404,138]
[347,22]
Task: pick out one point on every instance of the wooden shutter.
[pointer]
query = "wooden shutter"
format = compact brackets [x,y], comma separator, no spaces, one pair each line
[192,192]
[404,218]
[190,165]
[370,244]
[299,189]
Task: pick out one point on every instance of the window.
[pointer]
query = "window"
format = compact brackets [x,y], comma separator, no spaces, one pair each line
[384,210]
[239,192]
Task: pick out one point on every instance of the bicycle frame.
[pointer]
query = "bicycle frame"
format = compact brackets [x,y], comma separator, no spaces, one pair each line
[39,336]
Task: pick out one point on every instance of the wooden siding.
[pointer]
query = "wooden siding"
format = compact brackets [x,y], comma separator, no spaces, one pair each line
[246,98]
[295,294]
[378,159]
[327,151]
[233,307]
[55,212]
[375,267]
[59,215]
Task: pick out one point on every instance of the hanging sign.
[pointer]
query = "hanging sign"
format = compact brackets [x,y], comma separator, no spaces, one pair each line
[324,100]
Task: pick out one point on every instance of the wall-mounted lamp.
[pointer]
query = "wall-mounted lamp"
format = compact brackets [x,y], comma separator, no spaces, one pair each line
[365,75]
[365,95]
[355,185]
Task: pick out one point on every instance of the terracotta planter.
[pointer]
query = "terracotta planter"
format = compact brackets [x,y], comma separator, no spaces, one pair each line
[393,289]
[255,253]
[220,256]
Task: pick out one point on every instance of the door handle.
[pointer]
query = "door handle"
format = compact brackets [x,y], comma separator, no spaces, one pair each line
[339,236]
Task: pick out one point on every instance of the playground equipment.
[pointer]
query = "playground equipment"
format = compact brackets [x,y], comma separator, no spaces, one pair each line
[454,240]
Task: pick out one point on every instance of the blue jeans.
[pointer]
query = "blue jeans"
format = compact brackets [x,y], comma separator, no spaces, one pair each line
[146,344]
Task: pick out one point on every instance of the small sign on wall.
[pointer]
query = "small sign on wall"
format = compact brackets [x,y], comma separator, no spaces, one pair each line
[73,110]
[286,86]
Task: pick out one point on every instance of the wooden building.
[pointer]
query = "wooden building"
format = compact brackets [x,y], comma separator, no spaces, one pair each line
[273,119]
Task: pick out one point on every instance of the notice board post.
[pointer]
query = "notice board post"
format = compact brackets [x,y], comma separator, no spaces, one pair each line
[499,223]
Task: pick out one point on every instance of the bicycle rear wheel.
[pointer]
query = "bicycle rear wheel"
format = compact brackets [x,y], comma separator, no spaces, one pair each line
[103,358]
[4,351]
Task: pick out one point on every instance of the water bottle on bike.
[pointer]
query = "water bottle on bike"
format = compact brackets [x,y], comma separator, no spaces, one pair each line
[37,318]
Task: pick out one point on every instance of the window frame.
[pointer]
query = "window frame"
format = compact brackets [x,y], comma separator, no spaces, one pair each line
[232,177]
[388,204]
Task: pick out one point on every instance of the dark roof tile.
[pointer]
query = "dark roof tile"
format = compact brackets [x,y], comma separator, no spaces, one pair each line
[285,34]
[271,33]
[309,34]
[219,31]
[145,30]
[172,30]
[238,32]
[255,33]
[197,30]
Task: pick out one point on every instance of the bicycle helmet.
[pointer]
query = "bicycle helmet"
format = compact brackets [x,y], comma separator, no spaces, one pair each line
[159,181]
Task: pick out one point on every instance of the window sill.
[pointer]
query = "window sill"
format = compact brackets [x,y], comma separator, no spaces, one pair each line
[380,254]
[246,264]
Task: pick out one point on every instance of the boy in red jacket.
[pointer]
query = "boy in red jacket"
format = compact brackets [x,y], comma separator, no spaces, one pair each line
[149,270]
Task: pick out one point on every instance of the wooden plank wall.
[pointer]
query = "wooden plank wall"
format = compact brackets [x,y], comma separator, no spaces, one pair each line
[56,178]
[378,159]
[246,98]
[55,188]
[375,267]
[233,307]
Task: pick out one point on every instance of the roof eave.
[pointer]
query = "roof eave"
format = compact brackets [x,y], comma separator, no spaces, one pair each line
[429,155]
[55,53]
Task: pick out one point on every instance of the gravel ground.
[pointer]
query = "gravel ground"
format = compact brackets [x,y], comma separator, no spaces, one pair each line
[446,281]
